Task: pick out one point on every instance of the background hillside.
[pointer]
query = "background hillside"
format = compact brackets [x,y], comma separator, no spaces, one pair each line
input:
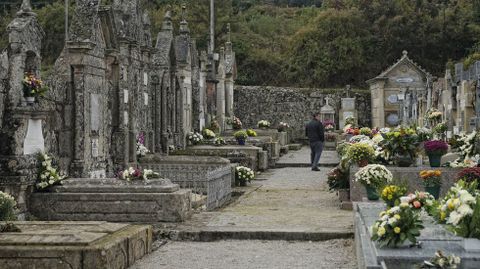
[311,43]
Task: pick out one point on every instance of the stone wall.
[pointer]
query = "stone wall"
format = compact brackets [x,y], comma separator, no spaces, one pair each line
[292,105]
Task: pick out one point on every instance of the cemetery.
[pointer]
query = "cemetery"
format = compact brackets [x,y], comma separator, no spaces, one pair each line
[134,139]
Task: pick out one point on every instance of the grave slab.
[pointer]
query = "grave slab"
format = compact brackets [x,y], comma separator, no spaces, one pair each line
[113,200]
[74,245]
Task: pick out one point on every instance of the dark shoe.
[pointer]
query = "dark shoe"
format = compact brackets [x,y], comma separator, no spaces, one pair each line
[315,169]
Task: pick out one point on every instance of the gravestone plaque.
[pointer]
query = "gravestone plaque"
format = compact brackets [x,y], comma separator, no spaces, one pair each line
[95,147]
[125,117]
[347,114]
[348,103]
[145,78]
[95,115]
[145,98]
[34,141]
[125,96]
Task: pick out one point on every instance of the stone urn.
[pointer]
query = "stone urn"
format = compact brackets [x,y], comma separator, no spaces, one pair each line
[30,100]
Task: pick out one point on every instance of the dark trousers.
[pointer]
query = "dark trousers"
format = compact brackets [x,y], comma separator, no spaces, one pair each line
[316,151]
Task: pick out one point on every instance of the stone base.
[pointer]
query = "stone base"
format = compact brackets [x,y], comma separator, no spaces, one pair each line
[294,146]
[434,237]
[283,150]
[113,200]
[74,245]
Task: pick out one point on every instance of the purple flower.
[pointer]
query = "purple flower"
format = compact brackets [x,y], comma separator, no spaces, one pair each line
[141,138]
[328,122]
[436,147]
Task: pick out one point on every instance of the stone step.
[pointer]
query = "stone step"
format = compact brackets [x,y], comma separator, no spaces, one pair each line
[294,146]
[219,233]
[285,164]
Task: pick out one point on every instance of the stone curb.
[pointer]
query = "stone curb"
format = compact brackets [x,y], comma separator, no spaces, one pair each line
[208,236]
[285,165]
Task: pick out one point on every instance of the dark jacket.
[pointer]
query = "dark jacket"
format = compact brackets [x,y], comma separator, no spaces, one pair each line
[314,131]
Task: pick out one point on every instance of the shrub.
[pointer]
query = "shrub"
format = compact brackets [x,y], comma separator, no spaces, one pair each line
[240,135]
[359,152]
[7,207]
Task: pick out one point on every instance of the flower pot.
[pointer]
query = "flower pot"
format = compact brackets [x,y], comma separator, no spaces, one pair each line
[403,160]
[30,100]
[471,245]
[434,190]
[344,195]
[242,182]
[362,163]
[372,193]
[241,141]
[435,160]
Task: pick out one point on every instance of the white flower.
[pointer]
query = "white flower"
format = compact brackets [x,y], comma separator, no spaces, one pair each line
[454,218]
[465,210]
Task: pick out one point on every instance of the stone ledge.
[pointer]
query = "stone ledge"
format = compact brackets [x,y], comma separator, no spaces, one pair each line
[74,245]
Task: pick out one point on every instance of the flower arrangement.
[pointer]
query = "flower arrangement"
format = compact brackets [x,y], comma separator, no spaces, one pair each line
[360,152]
[469,174]
[219,141]
[244,174]
[342,148]
[33,86]
[236,123]
[7,207]
[435,147]
[263,124]
[214,126]
[403,141]
[251,133]
[47,176]
[419,200]
[329,128]
[350,120]
[242,135]
[359,138]
[337,178]
[434,115]
[137,174]
[208,134]
[141,149]
[396,225]
[467,144]
[366,131]
[440,128]
[391,194]
[283,126]
[329,125]
[352,131]
[457,207]
[424,134]
[373,175]
[440,261]
[194,138]
[330,137]
[431,178]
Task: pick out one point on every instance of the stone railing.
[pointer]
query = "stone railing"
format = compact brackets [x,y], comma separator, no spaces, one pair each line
[209,176]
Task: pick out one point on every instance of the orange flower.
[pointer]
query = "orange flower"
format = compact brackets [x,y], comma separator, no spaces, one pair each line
[438,173]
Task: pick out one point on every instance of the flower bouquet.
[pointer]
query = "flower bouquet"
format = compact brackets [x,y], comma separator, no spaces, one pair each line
[263,124]
[329,128]
[360,153]
[391,194]
[434,115]
[440,261]
[469,175]
[241,136]
[243,174]
[32,87]
[359,138]
[350,120]
[283,126]
[137,174]
[141,149]
[372,177]
[47,176]
[194,138]
[236,123]
[219,141]
[366,131]
[419,200]
[432,180]
[396,225]
[402,143]
[251,133]
[7,213]
[435,149]
[208,134]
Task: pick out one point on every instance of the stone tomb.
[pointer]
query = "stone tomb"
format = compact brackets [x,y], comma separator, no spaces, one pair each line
[74,245]
[434,237]
[114,200]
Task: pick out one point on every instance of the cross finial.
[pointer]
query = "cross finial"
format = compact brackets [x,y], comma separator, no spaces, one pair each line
[405,53]
[26,6]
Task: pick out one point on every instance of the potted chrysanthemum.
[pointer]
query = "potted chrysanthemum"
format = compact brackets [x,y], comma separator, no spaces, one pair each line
[435,149]
[360,153]
[241,136]
[432,180]
[372,177]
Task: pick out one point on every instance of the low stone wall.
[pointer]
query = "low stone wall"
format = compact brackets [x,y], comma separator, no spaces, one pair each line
[408,174]
[74,245]
[293,105]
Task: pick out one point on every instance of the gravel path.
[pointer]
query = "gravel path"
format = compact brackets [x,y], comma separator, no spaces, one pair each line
[239,254]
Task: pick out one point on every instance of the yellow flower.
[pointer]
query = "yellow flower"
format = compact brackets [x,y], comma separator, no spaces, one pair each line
[443,215]
[397,230]
[438,173]
[381,231]
[396,216]
[390,197]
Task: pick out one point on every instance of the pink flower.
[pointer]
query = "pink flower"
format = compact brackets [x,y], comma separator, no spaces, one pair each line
[417,204]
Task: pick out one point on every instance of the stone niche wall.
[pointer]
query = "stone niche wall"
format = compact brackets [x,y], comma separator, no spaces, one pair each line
[293,105]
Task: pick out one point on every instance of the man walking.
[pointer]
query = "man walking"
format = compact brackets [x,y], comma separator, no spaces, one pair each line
[315,133]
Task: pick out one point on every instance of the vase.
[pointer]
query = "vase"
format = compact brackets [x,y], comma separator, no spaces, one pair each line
[344,195]
[242,182]
[30,100]
[403,160]
[241,141]
[372,193]
[362,163]
[435,160]
[433,190]
[471,245]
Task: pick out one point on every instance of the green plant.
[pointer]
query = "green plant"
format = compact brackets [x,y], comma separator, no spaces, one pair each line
[7,207]
[391,194]
[244,174]
[359,152]
[342,148]
[240,135]
[208,134]
[366,131]
[338,178]
[396,225]
[373,175]
[441,261]
[47,176]
[251,133]
[403,141]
